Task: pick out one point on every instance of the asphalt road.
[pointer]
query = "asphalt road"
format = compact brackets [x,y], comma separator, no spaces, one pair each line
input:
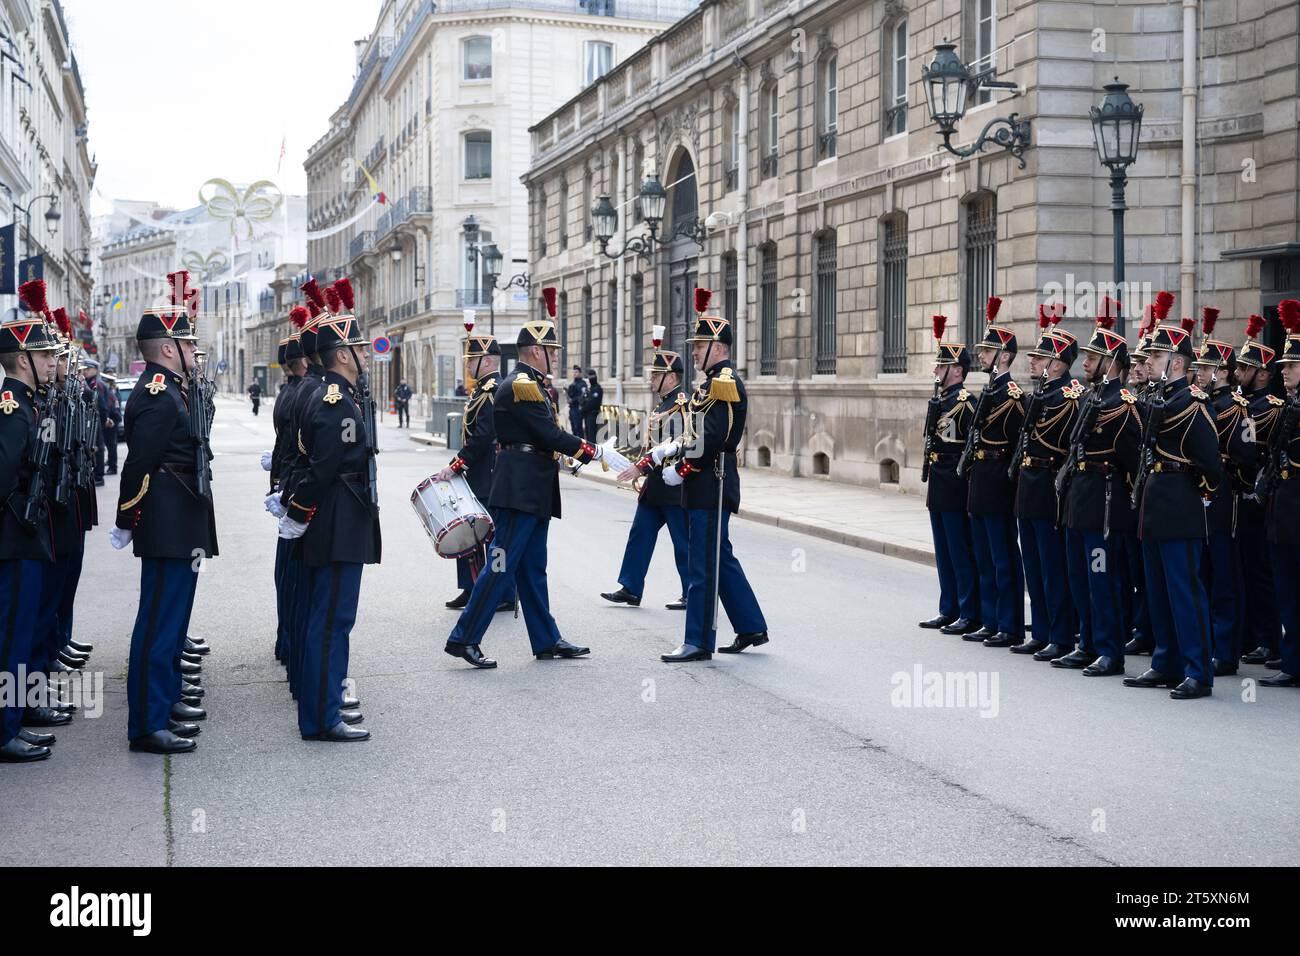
[804,751]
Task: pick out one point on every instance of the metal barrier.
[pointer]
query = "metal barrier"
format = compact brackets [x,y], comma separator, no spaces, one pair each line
[439,409]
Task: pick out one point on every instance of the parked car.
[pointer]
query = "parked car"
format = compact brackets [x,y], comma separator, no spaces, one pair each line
[124,387]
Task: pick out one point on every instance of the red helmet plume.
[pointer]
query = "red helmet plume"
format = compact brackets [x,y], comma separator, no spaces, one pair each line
[1044,320]
[299,315]
[1164,302]
[32,295]
[548,296]
[1254,325]
[1209,318]
[992,308]
[940,323]
[702,297]
[333,300]
[312,291]
[344,289]
[1288,312]
[1187,323]
[63,322]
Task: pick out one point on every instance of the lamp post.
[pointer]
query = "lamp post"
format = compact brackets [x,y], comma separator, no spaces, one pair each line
[52,217]
[1116,126]
[492,259]
[653,199]
[949,83]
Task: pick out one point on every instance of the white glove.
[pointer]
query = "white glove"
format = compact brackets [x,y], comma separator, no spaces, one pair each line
[668,449]
[120,538]
[671,478]
[610,457]
[291,529]
[273,505]
[266,461]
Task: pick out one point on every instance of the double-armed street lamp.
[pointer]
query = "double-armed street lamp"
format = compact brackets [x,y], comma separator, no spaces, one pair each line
[492,260]
[949,83]
[653,199]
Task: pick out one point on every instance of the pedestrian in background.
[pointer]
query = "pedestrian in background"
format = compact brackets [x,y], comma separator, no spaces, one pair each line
[111,411]
[591,403]
[402,402]
[255,393]
[576,393]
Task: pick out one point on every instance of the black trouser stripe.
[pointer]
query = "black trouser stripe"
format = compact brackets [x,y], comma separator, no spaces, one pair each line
[1115,584]
[324,687]
[150,632]
[1201,629]
[485,606]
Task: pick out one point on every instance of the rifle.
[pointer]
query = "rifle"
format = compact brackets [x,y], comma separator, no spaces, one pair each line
[1267,481]
[372,439]
[35,504]
[68,420]
[1083,426]
[981,409]
[1031,419]
[199,432]
[1150,434]
[931,423]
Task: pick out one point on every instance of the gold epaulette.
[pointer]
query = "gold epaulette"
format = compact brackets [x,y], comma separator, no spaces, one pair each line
[489,385]
[8,404]
[1240,399]
[1197,394]
[1074,390]
[723,388]
[525,389]
[332,394]
[144,490]
[963,396]
[1128,396]
[1274,400]
[681,398]
[1014,390]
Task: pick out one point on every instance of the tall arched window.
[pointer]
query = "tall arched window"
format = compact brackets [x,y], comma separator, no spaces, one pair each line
[767,293]
[895,78]
[980,265]
[893,297]
[824,293]
[828,104]
[770,123]
[477,57]
[478,154]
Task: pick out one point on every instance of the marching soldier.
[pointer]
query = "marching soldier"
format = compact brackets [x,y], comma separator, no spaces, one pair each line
[949,418]
[710,489]
[1049,422]
[277,461]
[1283,473]
[1261,624]
[28,355]
[1179,472]
[525,497]
[1097,512]
[477,457]
[999,415]
[1221,572]
[330,508]
[170,521]
[657,504]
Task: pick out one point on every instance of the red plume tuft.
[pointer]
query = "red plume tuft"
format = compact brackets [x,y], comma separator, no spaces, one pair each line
[1058,312]
[1254,325]
[32,295]
[63,322]
[1148,322]
[702,297]
[83,318]
[1288,312]
[312,291]
[1209,318]
[299,315]
[1187,323]
[940,323]
[991,310]
[333,301]
[1164,302]
[548,296]
[344,288]
[1110,308]
[1105,321]
[313,309]
[1044,320]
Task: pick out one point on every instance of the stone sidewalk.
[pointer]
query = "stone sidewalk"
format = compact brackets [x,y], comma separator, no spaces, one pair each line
[888,522]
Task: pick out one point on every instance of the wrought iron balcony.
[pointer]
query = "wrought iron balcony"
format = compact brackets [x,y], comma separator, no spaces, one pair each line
[361,244]
[770,165]
[419,201]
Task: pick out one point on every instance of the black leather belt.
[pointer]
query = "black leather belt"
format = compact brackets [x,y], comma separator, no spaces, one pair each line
[937,457]
[989,455]
[1171,468]
[177,469]
[354,476]
[525,447]
[1104,468]
[1029,461]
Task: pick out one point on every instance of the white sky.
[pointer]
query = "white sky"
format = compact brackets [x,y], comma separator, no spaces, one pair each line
[180,91]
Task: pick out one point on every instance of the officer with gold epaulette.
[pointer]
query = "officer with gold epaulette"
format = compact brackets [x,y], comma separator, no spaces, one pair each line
[948,419]
[710,488]
[330,512]
[1044,444]
[1139,379]
[1222,570]
[1282,471]
[1095,506]
[170,521]
[525,497]
[1179,472]
[28,355]
[657,504]
[1261,625]
[999,415]
[477,457]
[277,462]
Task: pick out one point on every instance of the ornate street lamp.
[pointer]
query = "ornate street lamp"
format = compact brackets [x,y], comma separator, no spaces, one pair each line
[949,84]
[1116,126]
[492,258]
[653,199]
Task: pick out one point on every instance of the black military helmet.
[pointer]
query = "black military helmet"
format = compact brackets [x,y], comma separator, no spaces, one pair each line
[478,346]
[665,361]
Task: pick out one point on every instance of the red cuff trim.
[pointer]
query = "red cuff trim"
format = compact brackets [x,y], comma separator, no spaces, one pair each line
[587,452]
[457,464]
[310,512]
[646,463]
[685,468]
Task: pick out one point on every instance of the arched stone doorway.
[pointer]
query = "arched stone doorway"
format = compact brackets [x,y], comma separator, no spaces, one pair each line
[681,264]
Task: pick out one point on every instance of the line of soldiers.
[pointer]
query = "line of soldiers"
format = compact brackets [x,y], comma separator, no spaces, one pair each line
[1152,509]
[511,452]
[324,493]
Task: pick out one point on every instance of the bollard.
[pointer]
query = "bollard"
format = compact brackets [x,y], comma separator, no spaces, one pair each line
[453,431]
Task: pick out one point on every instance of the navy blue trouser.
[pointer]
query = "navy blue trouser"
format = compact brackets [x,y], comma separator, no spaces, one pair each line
[283,596]
[958,587]
[299,577]
[1222,577]
[58,594]
[1103,563]
[1135,587]
[517,555]
[1180,609]
[465,578]
[641,545]
[1042,546]
[153,679]
[332,610]
[1262,623]
[1002,586]
[736,595]
[20,595]
[1282,557]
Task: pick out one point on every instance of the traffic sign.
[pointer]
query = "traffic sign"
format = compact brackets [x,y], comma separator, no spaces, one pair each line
[223,366]
[381,345]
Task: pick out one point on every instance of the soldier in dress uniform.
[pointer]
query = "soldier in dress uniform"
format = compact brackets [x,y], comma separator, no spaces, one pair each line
[525,497]
[477,457]
[949,418]
[1221,572]
[1096,507]
[1181,459]
[277,462]
[999,415]
[28,355]
[1261,624]
[1049,422]
[330,510]
[1139,378]
[1284,502]
[657,504]
[171,524]
[706,469]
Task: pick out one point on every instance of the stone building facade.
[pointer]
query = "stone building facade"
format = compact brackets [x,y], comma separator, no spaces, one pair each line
[798,134]
[438,118]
